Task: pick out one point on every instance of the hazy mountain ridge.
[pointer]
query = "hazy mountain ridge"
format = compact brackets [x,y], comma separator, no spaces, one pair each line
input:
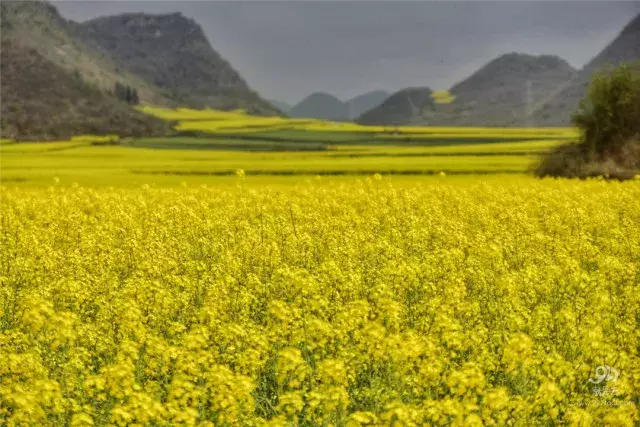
[56,71]
[281,105]
[37,25]
[401,108]
[62,105]
[508,70]
[518,89]
[322,105]
[625,48]
[503,91]
[495,95]
[361,104]
[173,53]
[43,96]
[170,62]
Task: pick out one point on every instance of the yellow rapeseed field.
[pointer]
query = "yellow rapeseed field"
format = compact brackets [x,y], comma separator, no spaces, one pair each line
[442,97]
[238,121]
[347,303]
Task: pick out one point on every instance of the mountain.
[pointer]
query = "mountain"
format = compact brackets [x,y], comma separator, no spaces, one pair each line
[498,94]
[280,105]
[320,106]
[172,52]
[50,85]
[38,26]
[324,106]
[503,91]
[365,102]
[625,48]
[402,108]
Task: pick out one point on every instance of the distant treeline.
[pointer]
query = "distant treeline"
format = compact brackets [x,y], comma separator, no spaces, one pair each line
[126,94]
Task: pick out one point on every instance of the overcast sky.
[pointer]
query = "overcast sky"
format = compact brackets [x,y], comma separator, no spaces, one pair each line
[288,49]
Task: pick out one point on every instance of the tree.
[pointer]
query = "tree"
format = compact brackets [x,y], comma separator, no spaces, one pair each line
[609,121]
[127,95]
[134,97]
[120,91]
[610,114]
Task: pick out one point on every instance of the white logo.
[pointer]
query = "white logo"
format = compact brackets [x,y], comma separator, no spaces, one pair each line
[604,388]
[605,373]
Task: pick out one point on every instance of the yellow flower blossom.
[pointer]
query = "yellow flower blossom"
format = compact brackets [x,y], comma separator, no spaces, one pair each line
[333,302]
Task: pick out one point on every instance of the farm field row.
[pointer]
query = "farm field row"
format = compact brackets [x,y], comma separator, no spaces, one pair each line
[238,122]
[40,163]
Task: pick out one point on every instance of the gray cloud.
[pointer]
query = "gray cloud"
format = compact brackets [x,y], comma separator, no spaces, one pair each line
[286,50]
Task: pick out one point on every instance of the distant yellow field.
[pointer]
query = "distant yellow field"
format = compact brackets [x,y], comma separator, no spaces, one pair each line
[238,121]
[95,138]
[442,97]
[275,147]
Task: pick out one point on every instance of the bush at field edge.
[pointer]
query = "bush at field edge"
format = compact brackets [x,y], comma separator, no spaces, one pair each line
[609,120]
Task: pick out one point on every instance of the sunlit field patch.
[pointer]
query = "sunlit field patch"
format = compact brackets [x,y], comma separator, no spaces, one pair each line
[442,97]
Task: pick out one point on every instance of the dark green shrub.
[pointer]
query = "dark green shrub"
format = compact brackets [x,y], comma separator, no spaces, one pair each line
[610,114]
[609,120]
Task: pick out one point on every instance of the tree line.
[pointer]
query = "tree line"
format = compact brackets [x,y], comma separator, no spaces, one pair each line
[126,93]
